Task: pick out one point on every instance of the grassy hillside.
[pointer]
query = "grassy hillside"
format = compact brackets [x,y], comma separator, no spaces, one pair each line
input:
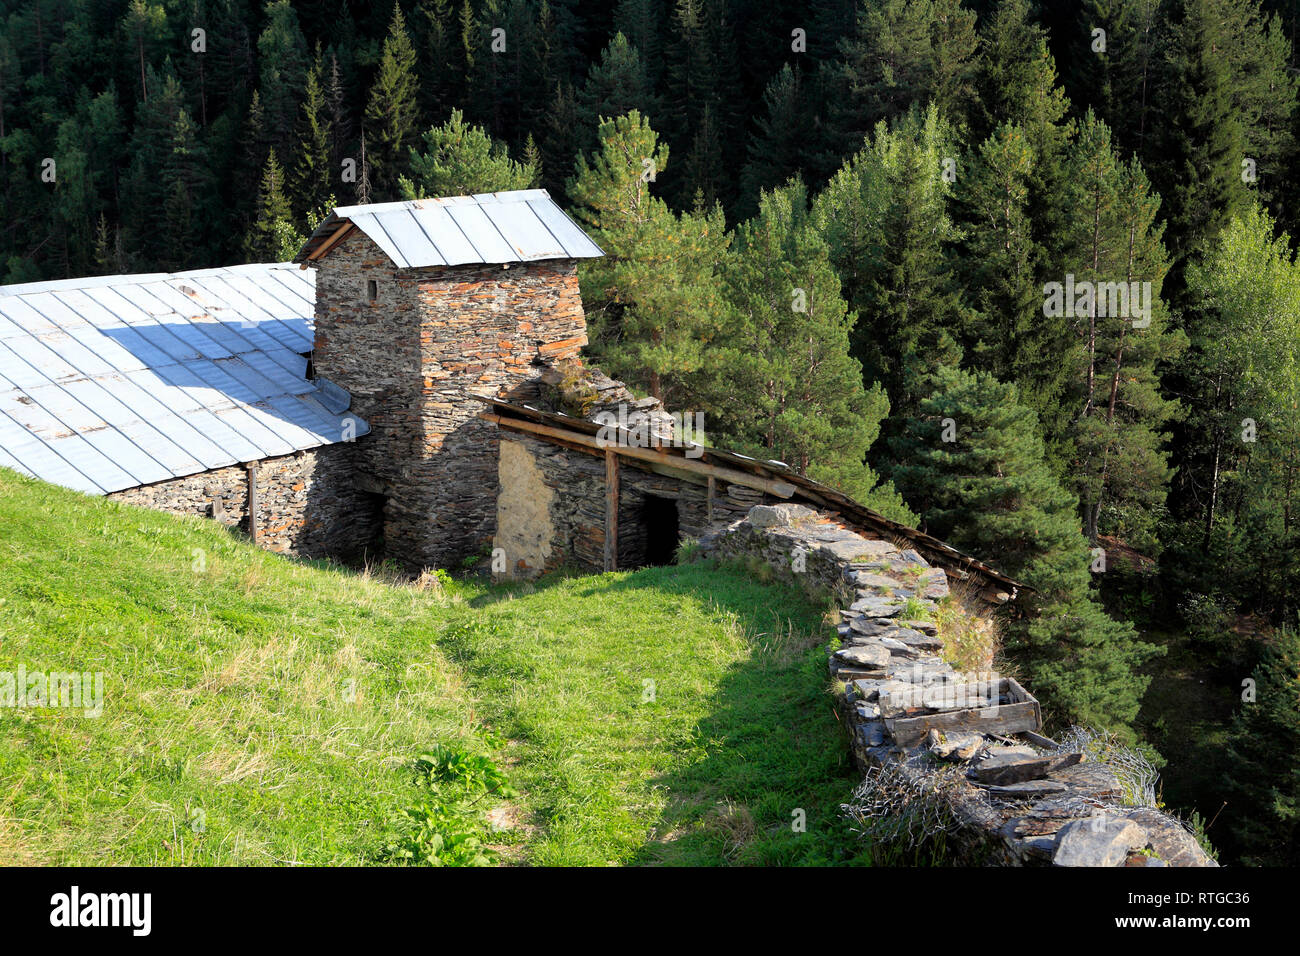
[263,710]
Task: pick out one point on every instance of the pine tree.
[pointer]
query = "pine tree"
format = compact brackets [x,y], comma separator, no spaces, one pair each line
[186,183]
[391,113]
[988,490]
[1120,415]
[903,53]
[702,96]
[1120,83]
[1197,164]
[283,62]
[1001,266]
[459,160]
[778,148]
[652,299]
[886,218]
[617,84]
[786,386]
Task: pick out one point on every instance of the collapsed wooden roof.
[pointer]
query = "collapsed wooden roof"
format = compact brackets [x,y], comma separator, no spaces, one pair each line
[773,477]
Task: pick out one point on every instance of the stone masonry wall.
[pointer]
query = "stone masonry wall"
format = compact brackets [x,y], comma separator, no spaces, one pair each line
[564,520]
[1016,797]
[410,360]
[307,505]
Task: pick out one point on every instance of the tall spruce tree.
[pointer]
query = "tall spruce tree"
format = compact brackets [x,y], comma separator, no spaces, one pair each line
[779,146]
[283,63]
[1196,165]
[886,218]
[273,237]
[616,85]
[310,186]
[902,53]
[1117,264]
[391,114]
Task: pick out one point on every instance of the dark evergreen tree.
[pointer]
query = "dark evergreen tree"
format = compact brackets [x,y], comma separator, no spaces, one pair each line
[1196,167]
[310,182]
[779,147]
[971,463]
[391,113]
[1264,747]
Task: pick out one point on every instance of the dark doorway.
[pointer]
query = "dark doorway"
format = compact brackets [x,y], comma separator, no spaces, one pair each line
[370,517]
[659,518]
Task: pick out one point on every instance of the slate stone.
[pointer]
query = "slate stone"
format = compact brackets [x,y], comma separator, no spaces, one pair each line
[856,549]
[868,580]
[1097,841]
[955,746]
[1026,790]
[864,655]
[878,606]
[777,516]
[1002,769]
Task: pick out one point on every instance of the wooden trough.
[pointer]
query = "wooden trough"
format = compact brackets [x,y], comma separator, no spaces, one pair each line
[998,706]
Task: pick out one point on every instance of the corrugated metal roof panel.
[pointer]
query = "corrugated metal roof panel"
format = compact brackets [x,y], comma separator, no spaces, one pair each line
[520,226]
[111,382]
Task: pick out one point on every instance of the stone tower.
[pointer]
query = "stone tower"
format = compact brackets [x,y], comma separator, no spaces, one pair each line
[421,304]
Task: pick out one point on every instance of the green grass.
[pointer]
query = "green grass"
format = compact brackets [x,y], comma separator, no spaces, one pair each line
[281,704]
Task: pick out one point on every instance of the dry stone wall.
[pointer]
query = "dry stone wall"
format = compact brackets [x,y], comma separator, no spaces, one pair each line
[307,504]
[411,358]
[982,769]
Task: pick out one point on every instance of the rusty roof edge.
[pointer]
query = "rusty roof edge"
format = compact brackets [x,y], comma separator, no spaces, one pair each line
[868,518]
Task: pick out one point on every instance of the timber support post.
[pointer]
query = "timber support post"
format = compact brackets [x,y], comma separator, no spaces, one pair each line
[611,510]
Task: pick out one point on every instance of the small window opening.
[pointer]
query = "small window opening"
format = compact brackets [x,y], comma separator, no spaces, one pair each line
[311,367]
[659,518]
[372,290]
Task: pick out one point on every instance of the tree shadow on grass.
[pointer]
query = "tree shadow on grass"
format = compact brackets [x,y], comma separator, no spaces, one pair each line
[776,767]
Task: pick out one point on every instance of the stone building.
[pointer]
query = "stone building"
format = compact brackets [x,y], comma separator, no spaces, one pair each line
[413,390]
[420,305]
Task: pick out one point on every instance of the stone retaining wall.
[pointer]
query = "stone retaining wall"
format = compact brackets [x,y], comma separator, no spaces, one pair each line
[307,503]
[1016,796]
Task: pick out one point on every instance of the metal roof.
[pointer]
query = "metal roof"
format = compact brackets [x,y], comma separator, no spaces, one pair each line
[520,226]
[113,382]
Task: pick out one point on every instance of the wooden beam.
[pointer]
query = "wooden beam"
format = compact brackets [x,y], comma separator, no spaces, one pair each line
[252,500]
[779,489]
[329,243]
[611,510]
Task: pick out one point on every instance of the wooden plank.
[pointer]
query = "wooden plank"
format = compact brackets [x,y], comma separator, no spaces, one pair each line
[1007,719]
[252,501]
[611,510]
[967,696]
[779,489]
[329,243]
[712,490]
